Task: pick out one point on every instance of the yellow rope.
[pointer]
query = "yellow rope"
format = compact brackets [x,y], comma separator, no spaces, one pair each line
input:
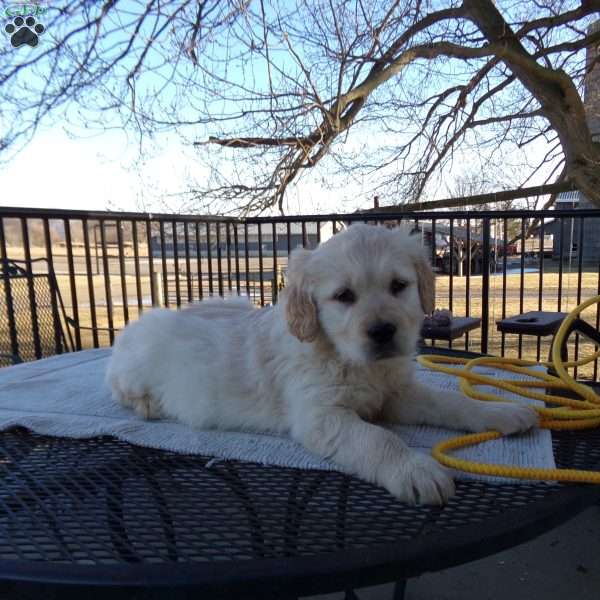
[582,413]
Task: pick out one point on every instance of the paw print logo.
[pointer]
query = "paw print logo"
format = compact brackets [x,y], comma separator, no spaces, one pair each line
[24,31]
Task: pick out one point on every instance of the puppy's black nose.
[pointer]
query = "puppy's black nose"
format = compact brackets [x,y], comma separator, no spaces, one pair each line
[381,332]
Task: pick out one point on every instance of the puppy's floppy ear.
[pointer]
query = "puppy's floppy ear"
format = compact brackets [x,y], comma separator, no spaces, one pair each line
[300,309]
[425,282]
[425,275]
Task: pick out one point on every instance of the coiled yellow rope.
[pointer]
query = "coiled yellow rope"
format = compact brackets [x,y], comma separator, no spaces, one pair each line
[582,413]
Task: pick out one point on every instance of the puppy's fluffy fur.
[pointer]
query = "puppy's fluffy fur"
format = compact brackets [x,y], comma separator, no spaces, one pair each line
[331,359]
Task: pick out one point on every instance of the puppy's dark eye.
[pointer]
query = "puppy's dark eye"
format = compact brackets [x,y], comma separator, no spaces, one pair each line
[397,286]
[346,296]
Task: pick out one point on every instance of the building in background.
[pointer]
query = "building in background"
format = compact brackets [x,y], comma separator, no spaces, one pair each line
[217,239]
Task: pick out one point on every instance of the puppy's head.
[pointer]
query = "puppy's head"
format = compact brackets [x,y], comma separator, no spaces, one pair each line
[365,290]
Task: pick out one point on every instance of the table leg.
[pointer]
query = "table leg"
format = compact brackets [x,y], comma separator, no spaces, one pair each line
[238,487]
[165,517]
[297,502]
[397,594]
[564,356]
[399,589]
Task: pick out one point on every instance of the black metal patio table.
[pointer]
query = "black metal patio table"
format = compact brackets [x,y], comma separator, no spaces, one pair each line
[98,517]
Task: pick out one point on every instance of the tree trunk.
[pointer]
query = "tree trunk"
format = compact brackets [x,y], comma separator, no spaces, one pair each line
[556,93]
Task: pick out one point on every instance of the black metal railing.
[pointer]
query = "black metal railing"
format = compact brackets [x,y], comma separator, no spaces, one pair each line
[109,267]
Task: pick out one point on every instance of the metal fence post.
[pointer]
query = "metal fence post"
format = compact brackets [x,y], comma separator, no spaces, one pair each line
[485,286]
[155,282]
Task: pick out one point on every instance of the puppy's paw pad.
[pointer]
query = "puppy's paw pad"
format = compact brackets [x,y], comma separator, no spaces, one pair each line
[422,480]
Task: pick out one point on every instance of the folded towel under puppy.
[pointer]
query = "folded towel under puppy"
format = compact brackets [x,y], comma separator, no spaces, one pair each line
[66,396]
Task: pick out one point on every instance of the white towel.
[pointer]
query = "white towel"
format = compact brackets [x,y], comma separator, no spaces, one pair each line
[66,396]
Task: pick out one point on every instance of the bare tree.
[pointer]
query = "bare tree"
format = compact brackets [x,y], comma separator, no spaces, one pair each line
[477,180]
[110,64]
[269,90]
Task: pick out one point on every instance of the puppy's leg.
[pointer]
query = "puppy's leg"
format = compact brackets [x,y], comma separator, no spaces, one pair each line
[374,454]
[418,404]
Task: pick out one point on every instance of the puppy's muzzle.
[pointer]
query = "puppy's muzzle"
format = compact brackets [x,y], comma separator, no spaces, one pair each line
[381,334]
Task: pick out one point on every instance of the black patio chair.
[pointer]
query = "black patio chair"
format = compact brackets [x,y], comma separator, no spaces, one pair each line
[33,320]
[545,323]
[33,323]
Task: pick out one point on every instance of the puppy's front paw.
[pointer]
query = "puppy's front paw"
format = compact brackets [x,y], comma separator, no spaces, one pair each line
[506,418]
[420,479]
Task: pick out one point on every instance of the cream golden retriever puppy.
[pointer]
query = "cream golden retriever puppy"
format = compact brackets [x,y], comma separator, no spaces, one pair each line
[330,360]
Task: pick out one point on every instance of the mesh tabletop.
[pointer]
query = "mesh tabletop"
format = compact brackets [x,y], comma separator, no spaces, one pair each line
[104,511]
